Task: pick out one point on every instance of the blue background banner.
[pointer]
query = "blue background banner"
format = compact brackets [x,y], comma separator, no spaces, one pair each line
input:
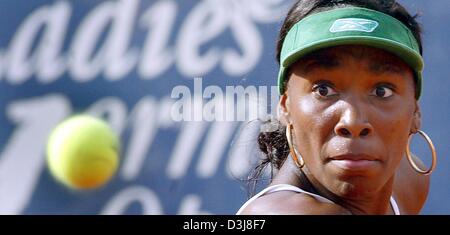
[121,60]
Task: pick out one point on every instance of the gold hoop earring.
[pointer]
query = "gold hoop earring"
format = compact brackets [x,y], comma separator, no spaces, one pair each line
[433,153]
[297,160]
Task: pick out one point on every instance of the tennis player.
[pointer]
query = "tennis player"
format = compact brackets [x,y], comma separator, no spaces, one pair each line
[350,79]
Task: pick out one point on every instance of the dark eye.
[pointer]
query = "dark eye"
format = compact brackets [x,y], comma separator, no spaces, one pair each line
[324,90]
[382,92]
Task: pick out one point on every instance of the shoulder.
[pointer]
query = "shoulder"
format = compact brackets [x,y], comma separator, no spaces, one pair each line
[291,203]
[411,188]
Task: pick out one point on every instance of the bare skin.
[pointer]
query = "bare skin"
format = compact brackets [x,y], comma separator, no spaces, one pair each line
[349,104]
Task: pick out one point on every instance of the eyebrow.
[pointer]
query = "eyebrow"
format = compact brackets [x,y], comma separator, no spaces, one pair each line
[320,61]
[387,66]
[330,61]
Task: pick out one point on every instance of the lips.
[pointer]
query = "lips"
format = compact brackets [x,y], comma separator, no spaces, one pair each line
[354,157]
[354,162]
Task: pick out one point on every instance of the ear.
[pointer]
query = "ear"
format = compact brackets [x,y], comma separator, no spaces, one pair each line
[417,119]
[283,111]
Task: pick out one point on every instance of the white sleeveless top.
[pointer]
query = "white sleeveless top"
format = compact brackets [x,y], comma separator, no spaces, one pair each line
[288,187]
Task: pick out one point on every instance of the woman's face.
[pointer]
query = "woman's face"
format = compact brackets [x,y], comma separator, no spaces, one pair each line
[352,109]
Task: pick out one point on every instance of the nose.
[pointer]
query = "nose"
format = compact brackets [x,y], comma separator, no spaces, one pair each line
[353,122]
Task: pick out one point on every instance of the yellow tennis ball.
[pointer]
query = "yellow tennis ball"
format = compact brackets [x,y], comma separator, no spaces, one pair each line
[82,152]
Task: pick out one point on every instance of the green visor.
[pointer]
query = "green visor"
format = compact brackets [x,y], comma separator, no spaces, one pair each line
[350,26]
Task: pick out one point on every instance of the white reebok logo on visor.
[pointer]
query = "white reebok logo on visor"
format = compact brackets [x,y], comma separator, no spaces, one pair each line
[354,24]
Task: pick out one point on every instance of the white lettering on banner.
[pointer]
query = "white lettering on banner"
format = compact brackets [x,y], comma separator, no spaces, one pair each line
[32,117]
[248,38]
[207,21]
[144,128]
[150,203]
[89,55]
[22,161]
[164,117]
[49,64]
[216,144]
[264,11]
[187,142]
[144,120]
[36,50]
[120,60]
[156,55]
[21,62]
[114,109]
[2,64]
[113,56]
[191,205]
[148,200]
